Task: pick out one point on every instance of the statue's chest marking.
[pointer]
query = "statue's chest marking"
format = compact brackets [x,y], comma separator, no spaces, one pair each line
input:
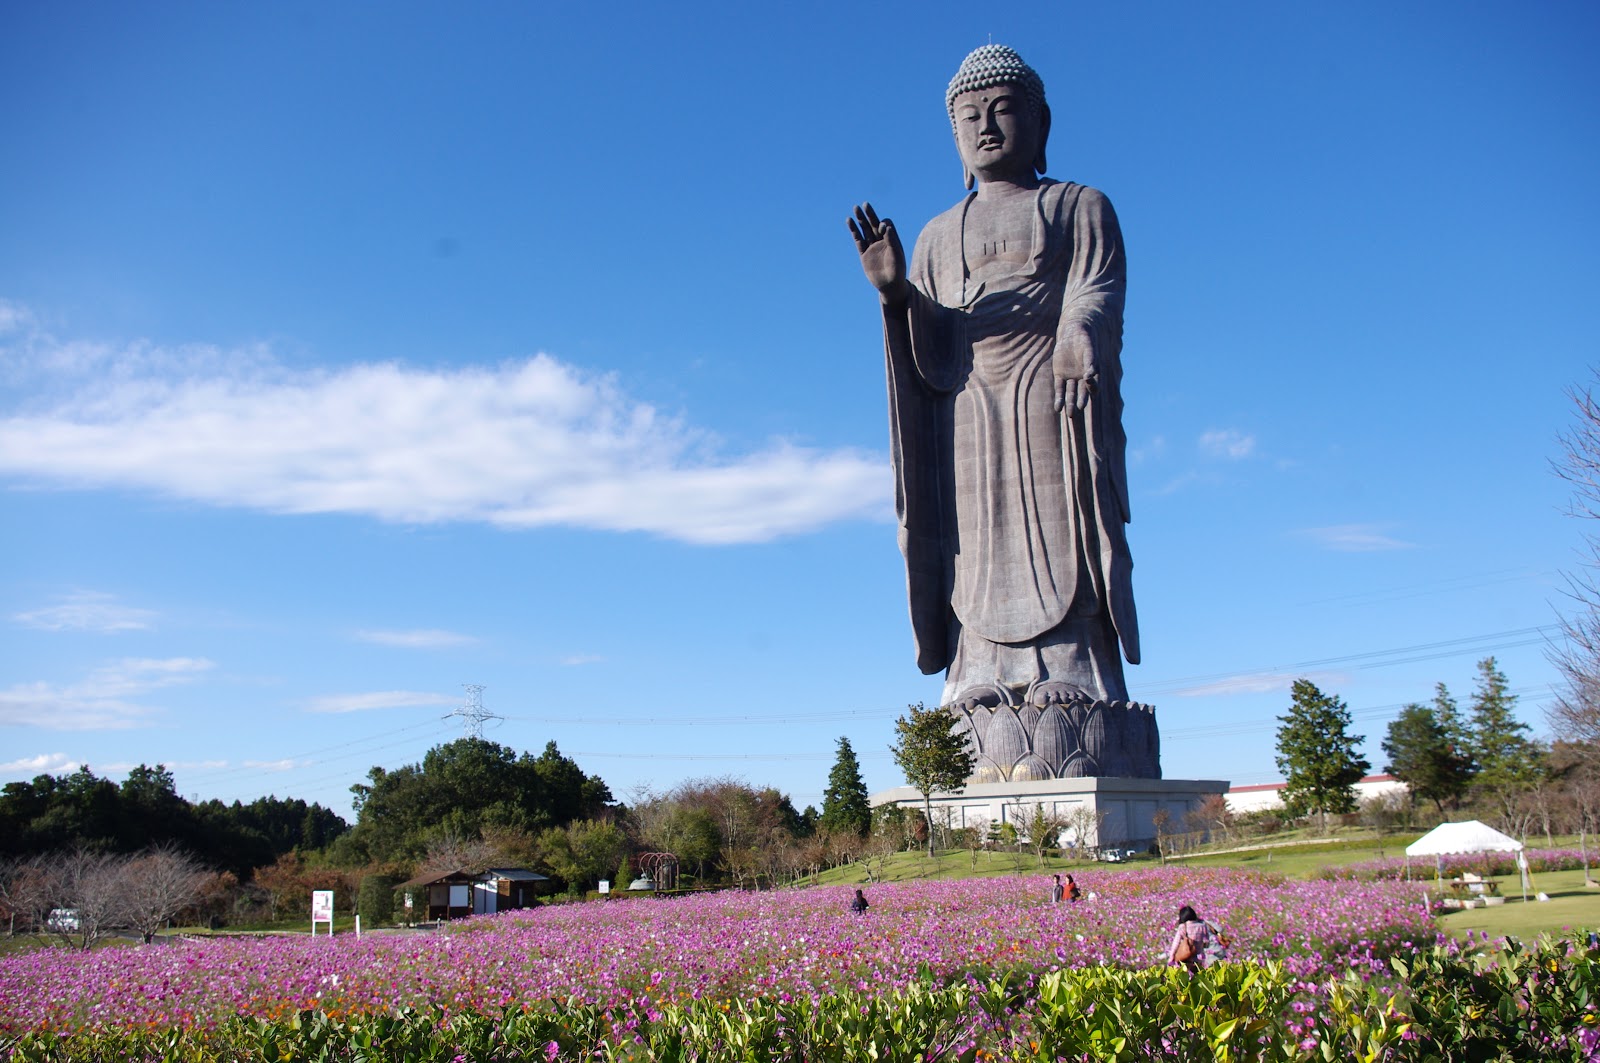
[997,241]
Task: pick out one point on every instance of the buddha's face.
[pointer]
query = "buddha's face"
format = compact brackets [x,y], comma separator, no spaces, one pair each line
[997,133]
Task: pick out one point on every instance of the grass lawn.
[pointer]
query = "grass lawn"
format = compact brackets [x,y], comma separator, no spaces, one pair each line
[1305,860]
[958,863]
[1570,906]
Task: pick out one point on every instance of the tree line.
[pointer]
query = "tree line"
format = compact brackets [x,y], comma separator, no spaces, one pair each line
[84,811]
[1481,760]
[80,842]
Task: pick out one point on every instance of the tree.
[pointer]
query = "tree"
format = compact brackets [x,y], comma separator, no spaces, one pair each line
[1580,769]
[1448,715]
[89,886]
[1082,825]
[1422,756]
[1574,716]
[1162,821]
[25,892]
[467,789]
[375,899]
[1317,754]
[932,756]
[1509,763]
[1213,817]
[156,885]
[1044,829]
[583,852]
[846,805]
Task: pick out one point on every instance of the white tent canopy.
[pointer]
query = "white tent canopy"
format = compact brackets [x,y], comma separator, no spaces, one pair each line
[1467,837]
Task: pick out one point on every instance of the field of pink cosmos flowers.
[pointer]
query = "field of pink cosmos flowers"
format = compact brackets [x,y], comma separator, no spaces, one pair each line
[727,946]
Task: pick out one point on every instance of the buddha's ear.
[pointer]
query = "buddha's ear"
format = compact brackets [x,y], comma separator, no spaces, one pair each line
[967,178]
[1044,137]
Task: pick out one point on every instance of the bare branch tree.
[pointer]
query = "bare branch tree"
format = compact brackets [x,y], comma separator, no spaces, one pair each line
[86,891]
[1163,822]
[158,884]
[26,893]
[874,855]
[452,852]
[1574,715]
[1083,825]
[1044,829]
[976,838]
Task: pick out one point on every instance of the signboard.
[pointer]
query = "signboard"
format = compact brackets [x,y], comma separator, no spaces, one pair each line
[321,910]
[605,885]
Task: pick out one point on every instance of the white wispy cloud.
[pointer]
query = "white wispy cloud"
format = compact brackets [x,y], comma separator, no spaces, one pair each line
[43,764]
[1354,538]
[14,317]
[106,699]
[1258,683]
[523,444]
[426,639]
[1152,448]
[379,699]
[87,611]
[1227,443]
[286,764]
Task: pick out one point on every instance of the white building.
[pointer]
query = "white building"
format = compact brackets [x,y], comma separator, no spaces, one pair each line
[1113,811]
[1270,795]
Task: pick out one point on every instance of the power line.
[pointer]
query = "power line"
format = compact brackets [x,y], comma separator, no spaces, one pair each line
[348,748]
[1376,712]
[1373,658]
[438,729]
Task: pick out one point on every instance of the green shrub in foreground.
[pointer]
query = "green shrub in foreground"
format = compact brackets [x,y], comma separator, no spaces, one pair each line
[1506,1003]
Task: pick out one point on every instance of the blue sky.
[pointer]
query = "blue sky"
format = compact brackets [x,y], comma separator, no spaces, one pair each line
[353,353]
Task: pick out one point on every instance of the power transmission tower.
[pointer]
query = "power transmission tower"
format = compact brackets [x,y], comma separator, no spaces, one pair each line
[472,714]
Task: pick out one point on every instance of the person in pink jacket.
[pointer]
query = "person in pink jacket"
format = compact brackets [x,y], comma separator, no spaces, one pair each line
[1196,943]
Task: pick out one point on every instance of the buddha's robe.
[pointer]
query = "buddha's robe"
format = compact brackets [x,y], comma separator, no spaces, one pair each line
[1012,514]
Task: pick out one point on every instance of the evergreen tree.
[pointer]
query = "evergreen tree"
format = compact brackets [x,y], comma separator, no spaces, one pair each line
[1504,754]
[1446,712]
[1509,763]
[932,755]
[845,803]
[1317,754]
[1422,756]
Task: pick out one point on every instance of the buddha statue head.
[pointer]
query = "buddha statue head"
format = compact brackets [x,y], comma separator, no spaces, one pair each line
[998,114]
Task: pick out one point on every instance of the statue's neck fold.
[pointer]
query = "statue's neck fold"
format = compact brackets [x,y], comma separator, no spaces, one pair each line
[1003,189]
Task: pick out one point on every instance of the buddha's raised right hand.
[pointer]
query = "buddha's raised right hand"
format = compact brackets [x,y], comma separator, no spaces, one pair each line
[883,259]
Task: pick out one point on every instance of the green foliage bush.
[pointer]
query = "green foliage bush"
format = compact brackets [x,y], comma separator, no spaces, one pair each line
[375,901]
[1488,1004]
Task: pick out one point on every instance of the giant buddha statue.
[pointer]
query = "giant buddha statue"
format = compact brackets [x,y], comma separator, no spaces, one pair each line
[1003,343]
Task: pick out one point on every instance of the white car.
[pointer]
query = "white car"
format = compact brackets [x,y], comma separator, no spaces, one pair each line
[63,921]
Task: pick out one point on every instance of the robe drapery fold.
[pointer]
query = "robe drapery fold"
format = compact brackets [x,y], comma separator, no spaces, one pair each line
[1011,514]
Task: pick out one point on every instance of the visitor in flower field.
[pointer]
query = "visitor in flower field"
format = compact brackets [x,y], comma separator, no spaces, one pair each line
[859,903]
[1074,894]
[1196,943]
[1057,891]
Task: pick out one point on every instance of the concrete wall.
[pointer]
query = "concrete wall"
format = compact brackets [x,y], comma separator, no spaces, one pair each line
[1128,805]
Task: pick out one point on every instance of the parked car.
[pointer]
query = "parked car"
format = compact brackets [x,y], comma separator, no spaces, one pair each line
[63,921]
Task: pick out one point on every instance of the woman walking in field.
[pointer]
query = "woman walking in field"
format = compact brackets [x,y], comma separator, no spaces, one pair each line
[1196,943]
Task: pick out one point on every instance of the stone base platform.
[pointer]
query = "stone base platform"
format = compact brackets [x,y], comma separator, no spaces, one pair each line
[1124,809]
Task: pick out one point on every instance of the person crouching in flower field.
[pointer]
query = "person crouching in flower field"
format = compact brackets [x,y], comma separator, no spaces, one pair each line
[1196,943]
